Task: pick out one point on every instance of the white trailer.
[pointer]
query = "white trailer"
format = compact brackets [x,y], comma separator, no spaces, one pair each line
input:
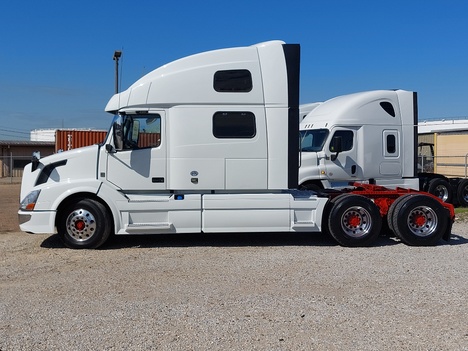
[209,143]
[368,137]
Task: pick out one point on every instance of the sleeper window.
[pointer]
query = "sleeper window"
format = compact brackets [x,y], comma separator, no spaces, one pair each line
[234,125]
[234,81]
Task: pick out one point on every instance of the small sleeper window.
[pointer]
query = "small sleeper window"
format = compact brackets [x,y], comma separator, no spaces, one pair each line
[391,144]
[233,81]
[388,107]
[234,125]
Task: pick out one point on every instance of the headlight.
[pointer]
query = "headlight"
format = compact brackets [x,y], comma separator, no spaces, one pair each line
[29,201]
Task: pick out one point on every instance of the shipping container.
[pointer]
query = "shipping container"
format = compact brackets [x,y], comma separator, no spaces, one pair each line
[68,139]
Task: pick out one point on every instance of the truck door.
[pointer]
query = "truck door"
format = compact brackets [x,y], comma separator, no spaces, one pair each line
[140,163]
[341,165]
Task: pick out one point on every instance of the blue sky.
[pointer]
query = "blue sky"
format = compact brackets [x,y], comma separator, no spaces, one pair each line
[57,69]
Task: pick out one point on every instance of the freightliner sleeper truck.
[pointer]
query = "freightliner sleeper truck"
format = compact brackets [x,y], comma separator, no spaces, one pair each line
[368,137]
[209,143]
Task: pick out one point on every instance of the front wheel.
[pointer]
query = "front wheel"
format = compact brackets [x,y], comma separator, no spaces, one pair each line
[354,220]
[84,224]
[419,220]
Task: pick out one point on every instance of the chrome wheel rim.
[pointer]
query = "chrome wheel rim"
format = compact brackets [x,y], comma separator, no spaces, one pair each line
[356,222]
[422,221]
[442,192]
[464,193]
[81,225]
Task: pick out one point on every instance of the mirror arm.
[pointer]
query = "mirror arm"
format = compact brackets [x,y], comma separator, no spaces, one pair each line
[110,149]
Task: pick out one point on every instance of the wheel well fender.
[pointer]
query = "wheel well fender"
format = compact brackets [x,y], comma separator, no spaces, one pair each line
[308,183]
[79,196]
[425,178]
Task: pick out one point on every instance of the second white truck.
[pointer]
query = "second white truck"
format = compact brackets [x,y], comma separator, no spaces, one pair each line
[368,137]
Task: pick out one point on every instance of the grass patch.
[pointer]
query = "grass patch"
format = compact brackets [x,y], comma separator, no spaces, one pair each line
[461,213]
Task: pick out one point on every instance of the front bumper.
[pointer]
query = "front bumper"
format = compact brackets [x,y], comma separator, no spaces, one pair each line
[37,222]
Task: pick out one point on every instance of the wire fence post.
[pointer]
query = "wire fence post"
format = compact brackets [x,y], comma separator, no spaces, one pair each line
[466,164]
[11,167]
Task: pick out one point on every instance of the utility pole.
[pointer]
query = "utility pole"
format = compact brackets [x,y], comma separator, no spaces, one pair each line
[117,55]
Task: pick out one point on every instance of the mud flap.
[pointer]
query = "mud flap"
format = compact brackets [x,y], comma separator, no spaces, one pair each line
[448,231]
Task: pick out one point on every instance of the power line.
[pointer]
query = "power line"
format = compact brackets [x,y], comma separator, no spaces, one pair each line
[14,136]
[14,131]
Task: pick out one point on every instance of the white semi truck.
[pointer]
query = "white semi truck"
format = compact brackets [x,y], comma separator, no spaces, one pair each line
[209,143]
[368,137]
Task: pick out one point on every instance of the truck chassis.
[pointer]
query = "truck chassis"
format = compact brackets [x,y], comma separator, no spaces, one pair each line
[353,217]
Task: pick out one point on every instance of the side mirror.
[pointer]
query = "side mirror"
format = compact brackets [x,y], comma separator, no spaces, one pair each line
[110,149]
[36,156]
[118,135]
[336,146]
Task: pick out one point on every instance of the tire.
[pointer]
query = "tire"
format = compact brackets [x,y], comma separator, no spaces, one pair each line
[440,188]
[84,224]
[354,220]
[419,220]
[391,211]
[462,193]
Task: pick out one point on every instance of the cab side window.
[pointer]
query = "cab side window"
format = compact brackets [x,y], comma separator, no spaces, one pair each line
[150,131]
[347,137]
[141,132]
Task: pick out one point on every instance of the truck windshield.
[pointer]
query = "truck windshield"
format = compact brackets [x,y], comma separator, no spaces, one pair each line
[313,140]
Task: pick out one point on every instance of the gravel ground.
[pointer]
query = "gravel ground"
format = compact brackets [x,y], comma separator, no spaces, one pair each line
[230,292]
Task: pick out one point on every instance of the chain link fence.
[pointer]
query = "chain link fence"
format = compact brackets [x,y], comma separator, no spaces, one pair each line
[11,167]
[450,166]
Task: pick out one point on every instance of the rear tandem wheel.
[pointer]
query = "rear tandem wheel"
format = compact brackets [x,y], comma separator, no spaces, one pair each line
[354,220]
[418,220]
[440,188]
[462,193]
